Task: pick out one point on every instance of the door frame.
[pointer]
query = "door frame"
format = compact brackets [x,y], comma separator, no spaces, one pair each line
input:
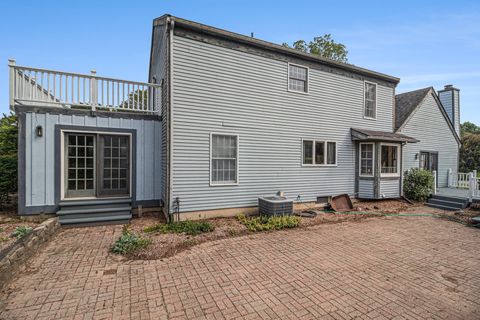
[429,164]
[60,131]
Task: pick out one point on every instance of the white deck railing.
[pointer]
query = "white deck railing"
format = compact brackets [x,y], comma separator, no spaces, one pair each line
[459,180]
[42,87]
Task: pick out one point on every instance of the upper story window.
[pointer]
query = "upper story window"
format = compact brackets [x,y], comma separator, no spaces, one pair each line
[366,159]
[223,159]
[370,101]
[319,152]
[389,160]
[297,78]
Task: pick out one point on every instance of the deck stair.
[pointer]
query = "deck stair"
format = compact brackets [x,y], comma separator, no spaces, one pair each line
[447,202]
[88,212]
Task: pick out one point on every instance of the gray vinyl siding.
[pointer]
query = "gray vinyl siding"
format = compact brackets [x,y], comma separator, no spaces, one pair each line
[227,91]
[446,100]
[389,188]
[430,127]
[159,69]
[366,189]
[40,154]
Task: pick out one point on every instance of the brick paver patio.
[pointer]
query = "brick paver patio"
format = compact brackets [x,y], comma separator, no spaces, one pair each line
[389,268]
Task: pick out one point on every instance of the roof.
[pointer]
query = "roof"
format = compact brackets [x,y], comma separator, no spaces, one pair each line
[272,46]
[371,135]
[406,103]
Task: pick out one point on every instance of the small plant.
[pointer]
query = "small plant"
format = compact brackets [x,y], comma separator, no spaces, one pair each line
[3,239]
[21,232]
[128,242]
[265,223]
[192,228]
[418,184]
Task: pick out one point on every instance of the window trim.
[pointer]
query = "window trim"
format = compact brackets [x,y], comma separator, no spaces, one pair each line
[360,160]
[365,99]
[288,78]
[324,156]
[223,184]
[397,174]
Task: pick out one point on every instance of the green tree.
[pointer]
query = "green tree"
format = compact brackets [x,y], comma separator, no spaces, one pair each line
[8,156]
[469,127]
[323,46]
[470,152]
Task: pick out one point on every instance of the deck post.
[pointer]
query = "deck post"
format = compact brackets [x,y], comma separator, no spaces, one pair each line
[471,186]
[93,90]
[434,172]
[11,65]
[449,177]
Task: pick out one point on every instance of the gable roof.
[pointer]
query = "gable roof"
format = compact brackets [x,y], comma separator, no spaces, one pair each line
[407,103]
[262,44]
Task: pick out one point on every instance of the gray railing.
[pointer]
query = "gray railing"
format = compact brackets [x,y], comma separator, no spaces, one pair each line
[42,87]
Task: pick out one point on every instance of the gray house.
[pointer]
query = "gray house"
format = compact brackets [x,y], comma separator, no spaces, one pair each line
[223,120]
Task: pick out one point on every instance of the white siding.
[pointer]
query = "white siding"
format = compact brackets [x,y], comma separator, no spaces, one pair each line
[40,154]
[223,90]
[430,127]
[365,189]
[390,188]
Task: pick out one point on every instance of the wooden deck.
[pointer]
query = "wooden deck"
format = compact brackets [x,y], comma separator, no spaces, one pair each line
[454,192]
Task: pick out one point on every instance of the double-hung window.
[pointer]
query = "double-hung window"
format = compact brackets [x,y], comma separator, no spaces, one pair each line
[319,152]
[389,160]
[297,78]
[223,159]
[370,102]
[366,159]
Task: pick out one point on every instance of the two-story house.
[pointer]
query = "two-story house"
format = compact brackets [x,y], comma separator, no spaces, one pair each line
[224,119]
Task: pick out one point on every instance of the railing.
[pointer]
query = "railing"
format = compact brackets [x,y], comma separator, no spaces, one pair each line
[475,187]
[34,86]
[460,180]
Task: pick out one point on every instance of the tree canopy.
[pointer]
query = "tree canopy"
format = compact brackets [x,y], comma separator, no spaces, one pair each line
[323,46]
[8,156]
[470,150]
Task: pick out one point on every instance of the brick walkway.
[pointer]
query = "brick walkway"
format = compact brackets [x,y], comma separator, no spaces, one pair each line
[393,268]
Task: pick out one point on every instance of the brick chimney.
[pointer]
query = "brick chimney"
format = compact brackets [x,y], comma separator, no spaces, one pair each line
[450,98]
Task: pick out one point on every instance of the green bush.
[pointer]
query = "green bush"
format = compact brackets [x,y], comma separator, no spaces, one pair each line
[265,223]
[21,231]
[129,242]
[192,228]
[418,184]
[8,156]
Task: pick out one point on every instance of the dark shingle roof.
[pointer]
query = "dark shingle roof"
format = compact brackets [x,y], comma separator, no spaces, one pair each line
[405,104]
[372,135]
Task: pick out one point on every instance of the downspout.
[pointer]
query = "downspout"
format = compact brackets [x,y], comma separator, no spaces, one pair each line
[170,88]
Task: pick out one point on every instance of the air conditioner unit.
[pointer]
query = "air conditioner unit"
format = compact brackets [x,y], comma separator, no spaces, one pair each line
[275,206]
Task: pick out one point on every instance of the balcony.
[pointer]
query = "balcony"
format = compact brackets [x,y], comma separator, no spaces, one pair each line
[49,88]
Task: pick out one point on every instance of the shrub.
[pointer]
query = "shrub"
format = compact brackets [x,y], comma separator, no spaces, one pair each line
[418,184]
[129,242]
[21,231]
[192,228]
[265,223]
[8,156]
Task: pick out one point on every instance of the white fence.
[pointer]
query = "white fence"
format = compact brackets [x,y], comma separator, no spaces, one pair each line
[34,86]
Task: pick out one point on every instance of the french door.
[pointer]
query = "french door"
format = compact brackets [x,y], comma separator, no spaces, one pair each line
[97,165]
[429,161]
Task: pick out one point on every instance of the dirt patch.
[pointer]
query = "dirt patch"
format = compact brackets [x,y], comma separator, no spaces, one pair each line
[9,221]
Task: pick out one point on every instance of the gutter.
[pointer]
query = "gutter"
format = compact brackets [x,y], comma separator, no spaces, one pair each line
[171,22]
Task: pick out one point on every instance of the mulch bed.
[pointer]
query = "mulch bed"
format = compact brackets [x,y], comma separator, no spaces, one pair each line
[165,245]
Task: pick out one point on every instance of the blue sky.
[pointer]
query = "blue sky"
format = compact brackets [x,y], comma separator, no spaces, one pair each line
[425,43]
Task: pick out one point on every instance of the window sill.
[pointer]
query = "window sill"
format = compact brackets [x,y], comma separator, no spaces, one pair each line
[365,176]
[223,184]
[389,175]
[369,118]
[319,165]
[300,92]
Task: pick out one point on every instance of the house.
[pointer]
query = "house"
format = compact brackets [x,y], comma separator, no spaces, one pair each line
[223,120]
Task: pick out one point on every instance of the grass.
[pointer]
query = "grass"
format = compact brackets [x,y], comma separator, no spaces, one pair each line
[129,242]
[192,228]
[265,223]
[21,231]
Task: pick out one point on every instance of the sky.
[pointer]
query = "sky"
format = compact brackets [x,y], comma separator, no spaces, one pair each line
[425,43]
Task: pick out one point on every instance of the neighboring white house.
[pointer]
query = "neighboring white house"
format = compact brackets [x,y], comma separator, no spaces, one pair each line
[224,119]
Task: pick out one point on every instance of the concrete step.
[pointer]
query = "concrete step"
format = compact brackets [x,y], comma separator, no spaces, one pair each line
[97,211]
[92,210]
[89,221]
[94,202]
[450,199]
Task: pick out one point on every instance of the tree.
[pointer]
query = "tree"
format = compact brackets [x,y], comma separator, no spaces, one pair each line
[8,156]
[469,127]
[470,152]
[323,46]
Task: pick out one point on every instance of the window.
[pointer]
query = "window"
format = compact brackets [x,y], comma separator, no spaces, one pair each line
[370,103]
[389,161]
[314,152]
[366,159]
[297,78]
[224,159]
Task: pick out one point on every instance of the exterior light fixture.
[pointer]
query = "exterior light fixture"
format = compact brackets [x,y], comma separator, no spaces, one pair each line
[39,131]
